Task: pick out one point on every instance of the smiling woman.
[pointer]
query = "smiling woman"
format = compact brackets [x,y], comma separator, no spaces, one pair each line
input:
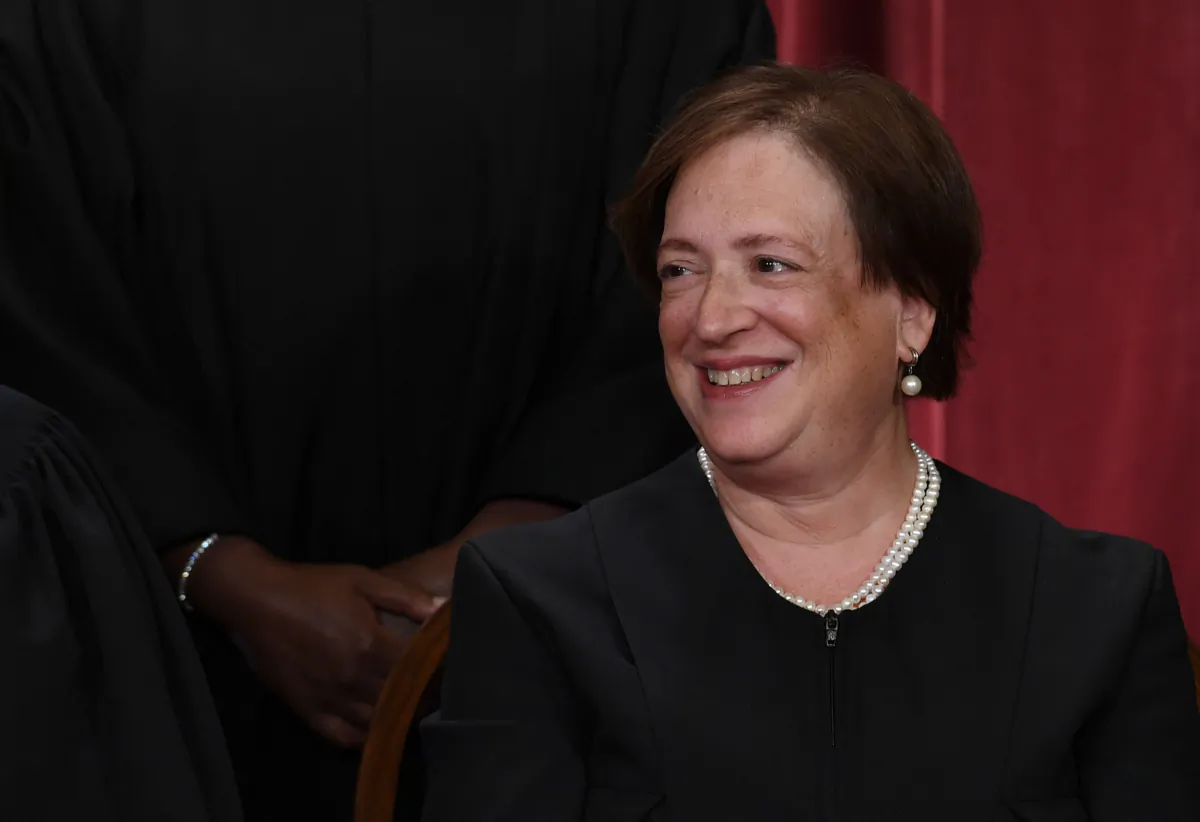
[750,297]
[871,152]
[808,617]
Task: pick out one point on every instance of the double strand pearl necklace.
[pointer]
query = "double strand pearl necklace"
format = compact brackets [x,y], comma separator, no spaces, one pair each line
[920,510]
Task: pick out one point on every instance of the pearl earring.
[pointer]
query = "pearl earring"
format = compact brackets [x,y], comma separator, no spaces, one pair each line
[911,383]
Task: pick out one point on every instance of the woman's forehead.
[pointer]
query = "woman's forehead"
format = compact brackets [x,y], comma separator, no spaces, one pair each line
[756,184]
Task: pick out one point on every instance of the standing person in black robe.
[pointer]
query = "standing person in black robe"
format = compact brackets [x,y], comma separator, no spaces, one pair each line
[330,279]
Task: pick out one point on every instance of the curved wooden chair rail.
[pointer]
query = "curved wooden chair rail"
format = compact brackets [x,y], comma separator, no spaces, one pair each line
[409,694]
[1194,654]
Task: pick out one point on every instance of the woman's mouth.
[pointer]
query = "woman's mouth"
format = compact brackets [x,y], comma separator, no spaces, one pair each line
[746,380]
[744,375]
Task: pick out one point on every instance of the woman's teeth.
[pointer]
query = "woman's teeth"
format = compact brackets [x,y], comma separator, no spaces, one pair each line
[739,376]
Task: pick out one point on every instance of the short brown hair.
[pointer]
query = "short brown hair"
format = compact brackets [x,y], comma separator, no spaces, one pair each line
[906,191]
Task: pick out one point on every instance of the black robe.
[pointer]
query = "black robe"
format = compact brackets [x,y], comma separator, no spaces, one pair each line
[334,273]
[104,712]
[641,670]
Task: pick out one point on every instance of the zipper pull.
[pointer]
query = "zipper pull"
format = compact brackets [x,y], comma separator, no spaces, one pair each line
[831,630]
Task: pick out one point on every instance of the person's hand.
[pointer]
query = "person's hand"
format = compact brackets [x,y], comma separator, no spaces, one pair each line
[432,571]
[310,632]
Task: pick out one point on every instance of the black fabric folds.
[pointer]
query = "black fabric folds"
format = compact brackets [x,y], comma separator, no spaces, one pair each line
[106,715]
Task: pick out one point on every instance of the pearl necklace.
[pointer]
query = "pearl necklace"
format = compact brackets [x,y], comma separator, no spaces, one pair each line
[924,500]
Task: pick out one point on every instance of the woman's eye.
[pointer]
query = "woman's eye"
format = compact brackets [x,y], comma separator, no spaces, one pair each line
[769,265]
[670,272]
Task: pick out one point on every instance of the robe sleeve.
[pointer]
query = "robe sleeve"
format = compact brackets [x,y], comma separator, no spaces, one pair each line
[74,287]
[514,749]
[105,714]
[1139,757]
[610,418]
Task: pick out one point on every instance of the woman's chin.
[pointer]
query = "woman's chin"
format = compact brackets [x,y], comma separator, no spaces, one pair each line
[737,448]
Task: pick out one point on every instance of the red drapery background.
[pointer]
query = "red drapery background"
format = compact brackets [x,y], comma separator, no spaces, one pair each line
[1079,121]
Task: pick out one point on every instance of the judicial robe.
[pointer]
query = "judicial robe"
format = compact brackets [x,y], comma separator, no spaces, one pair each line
[104,711]
[335,273]
[641,670]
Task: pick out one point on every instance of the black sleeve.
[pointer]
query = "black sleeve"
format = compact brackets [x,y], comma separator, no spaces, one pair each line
[74,282]
[1140,757]
[506,743]
[105,713]
[610,418]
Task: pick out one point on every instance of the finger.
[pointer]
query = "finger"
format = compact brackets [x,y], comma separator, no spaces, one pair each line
[355,708]
[363,677]
[356,714]
[399,626]
[398,597]
[386,651]
[363,688]
[339,731]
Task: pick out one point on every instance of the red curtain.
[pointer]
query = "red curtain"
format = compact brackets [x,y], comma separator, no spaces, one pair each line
[1079,121]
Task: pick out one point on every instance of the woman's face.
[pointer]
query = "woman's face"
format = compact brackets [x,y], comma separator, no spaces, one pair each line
[772,342]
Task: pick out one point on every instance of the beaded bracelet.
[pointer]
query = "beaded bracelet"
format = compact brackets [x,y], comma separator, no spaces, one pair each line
[208,542]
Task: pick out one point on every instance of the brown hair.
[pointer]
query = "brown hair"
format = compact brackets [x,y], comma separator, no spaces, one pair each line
[906,191]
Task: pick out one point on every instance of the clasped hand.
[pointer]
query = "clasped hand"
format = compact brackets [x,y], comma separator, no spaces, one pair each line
[312,633]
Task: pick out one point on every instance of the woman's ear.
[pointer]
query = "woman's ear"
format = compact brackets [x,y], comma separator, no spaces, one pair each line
[915,327]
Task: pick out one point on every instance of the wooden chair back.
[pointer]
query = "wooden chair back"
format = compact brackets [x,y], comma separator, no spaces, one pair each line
[409,695]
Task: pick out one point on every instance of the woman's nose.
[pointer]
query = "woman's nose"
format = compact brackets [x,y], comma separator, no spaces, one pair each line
[724,308]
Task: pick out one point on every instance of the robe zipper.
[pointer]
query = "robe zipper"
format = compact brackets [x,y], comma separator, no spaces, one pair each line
[831,637]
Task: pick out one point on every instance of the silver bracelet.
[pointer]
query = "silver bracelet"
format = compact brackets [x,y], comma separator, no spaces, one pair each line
[208,542]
